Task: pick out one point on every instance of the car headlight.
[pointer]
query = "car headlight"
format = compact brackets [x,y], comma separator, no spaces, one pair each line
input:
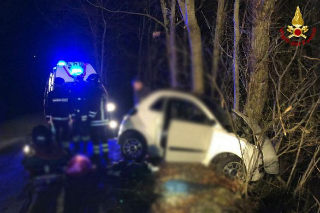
[113,124]
[26,150]
[111,107]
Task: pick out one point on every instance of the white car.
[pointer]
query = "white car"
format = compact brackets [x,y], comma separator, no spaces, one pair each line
[181,127]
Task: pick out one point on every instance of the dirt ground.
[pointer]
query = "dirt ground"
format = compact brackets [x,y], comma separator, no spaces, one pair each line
[177,188]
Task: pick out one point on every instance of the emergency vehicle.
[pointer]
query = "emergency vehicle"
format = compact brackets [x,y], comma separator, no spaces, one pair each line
[69,71]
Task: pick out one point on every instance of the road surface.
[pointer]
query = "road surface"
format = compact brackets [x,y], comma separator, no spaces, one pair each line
[12,178]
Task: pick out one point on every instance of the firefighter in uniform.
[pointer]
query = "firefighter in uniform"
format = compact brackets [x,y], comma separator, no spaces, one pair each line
[79,109]
[98,118]
[57,113]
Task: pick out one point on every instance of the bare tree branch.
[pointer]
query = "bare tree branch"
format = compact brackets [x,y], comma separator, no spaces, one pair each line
[128,12]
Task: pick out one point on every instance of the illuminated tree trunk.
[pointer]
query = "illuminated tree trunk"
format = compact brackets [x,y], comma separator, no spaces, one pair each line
[236,88]
[217,37]
[258,86]
[260,41]
[169,23]
[187,8]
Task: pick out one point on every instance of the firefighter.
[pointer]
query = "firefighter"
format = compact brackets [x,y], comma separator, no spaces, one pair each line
[57,113]
[99,120]
[79,109]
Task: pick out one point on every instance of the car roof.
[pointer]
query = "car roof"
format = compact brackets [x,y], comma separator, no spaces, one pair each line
[213,107]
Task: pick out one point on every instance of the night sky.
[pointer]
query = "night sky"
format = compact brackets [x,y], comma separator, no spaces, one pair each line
[31,44]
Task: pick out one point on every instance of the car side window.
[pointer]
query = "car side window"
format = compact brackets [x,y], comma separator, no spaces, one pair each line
[158,105]
[187,111]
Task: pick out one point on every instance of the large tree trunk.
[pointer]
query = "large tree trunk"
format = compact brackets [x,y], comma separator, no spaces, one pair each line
[258,86]
[217,38]
[236,39]
[187,8]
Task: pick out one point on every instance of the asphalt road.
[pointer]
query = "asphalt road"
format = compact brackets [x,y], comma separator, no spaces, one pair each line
[13,177]
[110,190]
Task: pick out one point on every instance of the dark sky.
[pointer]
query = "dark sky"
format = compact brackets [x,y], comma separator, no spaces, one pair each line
[22,74]
[30,46]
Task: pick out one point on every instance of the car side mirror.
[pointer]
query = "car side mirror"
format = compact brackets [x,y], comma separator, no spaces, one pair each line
[212,122]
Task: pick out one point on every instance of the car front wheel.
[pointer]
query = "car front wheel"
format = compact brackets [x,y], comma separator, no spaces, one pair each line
[133,147]
[232,167]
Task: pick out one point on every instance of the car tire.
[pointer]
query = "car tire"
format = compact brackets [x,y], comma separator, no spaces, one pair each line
[232,167]
[133,147]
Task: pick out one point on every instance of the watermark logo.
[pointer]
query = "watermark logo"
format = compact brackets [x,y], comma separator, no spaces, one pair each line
[297,30]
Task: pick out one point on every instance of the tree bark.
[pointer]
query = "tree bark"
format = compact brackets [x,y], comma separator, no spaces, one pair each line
[169,23]
[236,88]
[258,86]
[217,38]
[173,51]
[187,8]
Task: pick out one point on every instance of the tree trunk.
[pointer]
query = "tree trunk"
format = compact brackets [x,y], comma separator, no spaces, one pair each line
[217,38]
[173,51]
[187,8]
[236,88]
[169,23]
[258,86]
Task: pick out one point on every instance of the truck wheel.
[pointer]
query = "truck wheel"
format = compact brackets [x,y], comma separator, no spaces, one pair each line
[232,167]
[133,147]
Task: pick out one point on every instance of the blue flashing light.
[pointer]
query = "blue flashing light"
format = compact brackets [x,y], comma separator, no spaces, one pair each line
[62,63]
[76,70]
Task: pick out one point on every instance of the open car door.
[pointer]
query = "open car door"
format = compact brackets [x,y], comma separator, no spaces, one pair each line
[188,131]
[187,141]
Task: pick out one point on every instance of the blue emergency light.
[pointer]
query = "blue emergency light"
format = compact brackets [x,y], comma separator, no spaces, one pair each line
[76,70]
[62,63]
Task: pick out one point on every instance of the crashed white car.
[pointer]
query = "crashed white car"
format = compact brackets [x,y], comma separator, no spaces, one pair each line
[181,127]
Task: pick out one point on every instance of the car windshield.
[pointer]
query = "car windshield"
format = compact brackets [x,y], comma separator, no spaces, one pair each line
[220,114]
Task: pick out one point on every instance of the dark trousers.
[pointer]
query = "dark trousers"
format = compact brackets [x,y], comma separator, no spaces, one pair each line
[80,129]
[100,135]
[61,133]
